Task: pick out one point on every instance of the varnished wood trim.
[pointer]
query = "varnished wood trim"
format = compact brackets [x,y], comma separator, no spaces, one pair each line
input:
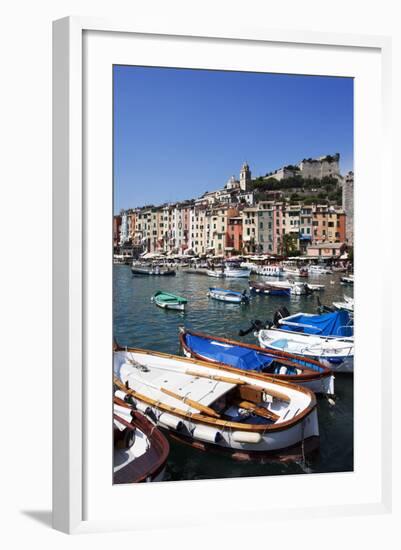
[305,377]
[224,424]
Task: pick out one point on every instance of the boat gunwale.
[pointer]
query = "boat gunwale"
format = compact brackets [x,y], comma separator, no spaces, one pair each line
[157,442]
[174,297]
[326,371]
[203,419]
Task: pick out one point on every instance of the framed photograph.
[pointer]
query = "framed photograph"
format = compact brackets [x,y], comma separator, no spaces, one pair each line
[213,240]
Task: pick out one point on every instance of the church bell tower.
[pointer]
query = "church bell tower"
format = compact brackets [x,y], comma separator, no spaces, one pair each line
[245,177]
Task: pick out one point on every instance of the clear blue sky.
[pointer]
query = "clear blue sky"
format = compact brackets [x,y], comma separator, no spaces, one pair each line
[181,132]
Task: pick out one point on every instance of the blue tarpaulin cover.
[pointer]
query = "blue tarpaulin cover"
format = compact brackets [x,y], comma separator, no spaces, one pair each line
[328,324]
[235,356]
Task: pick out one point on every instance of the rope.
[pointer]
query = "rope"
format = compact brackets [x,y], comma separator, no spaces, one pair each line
[303,441]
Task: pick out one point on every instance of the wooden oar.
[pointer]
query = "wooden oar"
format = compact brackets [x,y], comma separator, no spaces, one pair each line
[191,403]
[216,377]
[187,400]
[260,411]
[190,372]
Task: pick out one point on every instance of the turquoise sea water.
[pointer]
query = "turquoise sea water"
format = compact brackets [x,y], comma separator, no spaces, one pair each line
[140,323]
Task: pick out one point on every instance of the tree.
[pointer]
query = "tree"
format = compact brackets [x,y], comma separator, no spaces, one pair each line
[289,244]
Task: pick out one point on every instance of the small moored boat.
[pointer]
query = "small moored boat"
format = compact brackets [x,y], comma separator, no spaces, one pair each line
[227,295]
[270,289]
[156,271]
[317,269]
[347,304]
[167,300]
[270,271]
[140,449]
[280,365]
[298,272]
[236,272]
[332,324]
[217,273]
[336,353]
[208,406]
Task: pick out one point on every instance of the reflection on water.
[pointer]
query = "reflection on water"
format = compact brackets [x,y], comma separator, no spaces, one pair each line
[140,323]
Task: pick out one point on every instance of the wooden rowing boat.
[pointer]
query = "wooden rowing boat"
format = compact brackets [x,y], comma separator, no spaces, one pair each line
[279,365]
[140,449]
[236,398]
[167,300]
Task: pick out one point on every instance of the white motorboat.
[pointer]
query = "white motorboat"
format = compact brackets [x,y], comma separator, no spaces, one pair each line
[336,353]
[319,270]
[218,273]
[208,405]
[270,271]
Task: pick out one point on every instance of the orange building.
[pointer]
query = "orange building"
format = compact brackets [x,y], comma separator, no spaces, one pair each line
[328,225]
[234,234]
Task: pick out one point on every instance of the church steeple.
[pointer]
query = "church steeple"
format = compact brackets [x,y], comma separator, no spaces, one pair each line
[245,177]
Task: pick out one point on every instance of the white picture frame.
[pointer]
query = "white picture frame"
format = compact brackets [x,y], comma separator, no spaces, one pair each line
[74,203]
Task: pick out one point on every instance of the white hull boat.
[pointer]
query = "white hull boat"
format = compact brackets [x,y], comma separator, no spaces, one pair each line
[319,270]
[215,273]
[296,288]
[236,273]
[301,272]
[336,353]
[314,287]
[226,295]
[270,271]
[206,405]
[347,304]
[347,280]
[251,266]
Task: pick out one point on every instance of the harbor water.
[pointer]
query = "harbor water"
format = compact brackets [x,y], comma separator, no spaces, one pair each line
[140,323]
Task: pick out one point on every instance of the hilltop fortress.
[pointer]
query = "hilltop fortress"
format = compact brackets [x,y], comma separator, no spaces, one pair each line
[327,166]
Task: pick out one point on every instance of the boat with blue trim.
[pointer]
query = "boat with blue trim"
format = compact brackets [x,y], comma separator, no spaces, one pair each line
[335,353]
[228,295]
[246,357]
[336,324]
[269,289]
